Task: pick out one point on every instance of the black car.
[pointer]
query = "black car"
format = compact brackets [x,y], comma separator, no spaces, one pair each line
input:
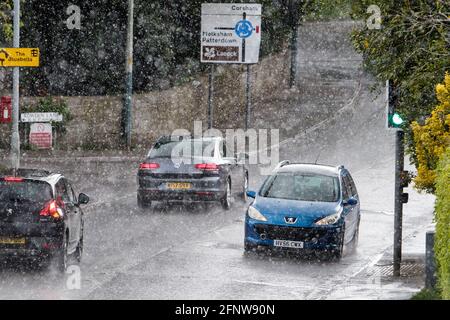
[187,169]
[40,217]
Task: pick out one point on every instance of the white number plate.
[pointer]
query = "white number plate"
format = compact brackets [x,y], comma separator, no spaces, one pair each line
[288,244]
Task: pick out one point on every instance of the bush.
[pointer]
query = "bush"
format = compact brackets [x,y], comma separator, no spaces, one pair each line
[442,241]
[432,139]
[49,104]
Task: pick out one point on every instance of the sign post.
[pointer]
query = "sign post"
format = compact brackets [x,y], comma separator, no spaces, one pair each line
[230,33]
[17,57]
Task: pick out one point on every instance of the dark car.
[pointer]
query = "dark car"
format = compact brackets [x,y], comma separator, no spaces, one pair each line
[304,208]
[40,218]
[187,169]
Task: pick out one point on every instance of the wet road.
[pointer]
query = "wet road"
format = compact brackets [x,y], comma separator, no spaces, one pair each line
[196,252]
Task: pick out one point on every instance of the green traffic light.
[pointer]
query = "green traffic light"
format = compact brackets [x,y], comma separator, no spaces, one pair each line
[397,119]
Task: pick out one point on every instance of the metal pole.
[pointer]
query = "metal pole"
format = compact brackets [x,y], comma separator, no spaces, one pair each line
[430,262]
[127,115]
[211,96]
[294,51]
[15,138]
[248,102]
[398,206]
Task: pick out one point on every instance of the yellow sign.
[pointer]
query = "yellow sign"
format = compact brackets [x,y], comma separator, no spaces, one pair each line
[19,57]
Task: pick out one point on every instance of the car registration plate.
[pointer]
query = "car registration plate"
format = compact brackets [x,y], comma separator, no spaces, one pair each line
[178,185]
[4,240]
[288,244]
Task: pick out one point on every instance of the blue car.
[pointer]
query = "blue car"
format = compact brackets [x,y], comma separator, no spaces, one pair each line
[305,208]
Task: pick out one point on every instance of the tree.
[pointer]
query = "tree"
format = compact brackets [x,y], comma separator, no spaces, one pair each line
[6,30]
[411,49]
[432,138]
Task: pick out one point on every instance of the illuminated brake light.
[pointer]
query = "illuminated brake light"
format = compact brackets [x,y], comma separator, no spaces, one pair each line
[51,209]
[148,166]
[13,179]
[207,166]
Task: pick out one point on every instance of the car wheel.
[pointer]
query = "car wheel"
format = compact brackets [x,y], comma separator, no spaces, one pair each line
[339,252]
[244,192]
[143,204]
[79,250]
[249,250]
[226,200]
[62,257]
[355,239]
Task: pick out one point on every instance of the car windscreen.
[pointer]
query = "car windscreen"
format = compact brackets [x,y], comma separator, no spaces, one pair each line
[302,187]
[183,149]
[25,191]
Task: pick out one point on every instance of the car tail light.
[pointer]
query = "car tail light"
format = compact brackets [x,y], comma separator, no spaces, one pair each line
[51,209]
[148,166]
[13,179]
[207,166]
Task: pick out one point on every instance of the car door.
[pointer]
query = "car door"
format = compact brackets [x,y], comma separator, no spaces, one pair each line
[350,211]
[77,213]
[65,200]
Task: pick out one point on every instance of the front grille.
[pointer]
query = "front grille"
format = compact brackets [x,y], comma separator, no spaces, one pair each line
[289,233]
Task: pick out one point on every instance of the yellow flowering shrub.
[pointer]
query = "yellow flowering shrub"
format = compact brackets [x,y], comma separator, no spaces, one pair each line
[432,138]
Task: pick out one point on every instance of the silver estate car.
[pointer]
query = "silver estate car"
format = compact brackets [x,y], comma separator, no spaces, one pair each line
[187,169]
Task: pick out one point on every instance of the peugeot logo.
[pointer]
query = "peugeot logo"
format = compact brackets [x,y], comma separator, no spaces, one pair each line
[290,220]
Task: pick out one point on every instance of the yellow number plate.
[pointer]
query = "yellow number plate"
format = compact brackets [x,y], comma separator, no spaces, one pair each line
[178,185]
[12,240]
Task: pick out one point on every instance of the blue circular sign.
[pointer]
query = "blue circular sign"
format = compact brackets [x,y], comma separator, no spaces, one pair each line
[243,29]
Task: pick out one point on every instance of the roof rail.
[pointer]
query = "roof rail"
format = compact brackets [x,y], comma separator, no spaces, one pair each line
[282,164]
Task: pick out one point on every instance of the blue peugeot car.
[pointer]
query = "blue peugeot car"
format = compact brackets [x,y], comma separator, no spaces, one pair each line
[305,208]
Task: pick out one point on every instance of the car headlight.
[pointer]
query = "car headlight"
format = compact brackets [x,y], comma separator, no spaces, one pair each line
[255,214]
[331,219]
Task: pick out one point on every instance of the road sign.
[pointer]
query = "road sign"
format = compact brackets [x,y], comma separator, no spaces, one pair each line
[230,33]
[41,135]
[41,117]
[19,57]
[5,110]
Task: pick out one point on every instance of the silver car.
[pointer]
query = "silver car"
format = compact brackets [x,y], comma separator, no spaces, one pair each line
[187,169]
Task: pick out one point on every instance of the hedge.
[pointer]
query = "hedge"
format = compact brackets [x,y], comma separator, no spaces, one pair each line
[442,209]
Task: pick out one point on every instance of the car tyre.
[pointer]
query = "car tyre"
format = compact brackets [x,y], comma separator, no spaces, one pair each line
[143,204]
[62,257]
[226,200]
[339,252]
[79,249]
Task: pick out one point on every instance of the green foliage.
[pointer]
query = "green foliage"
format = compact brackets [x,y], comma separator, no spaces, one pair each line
[6,30]
[442,240]
[411,49]
[50,104]
[426,294]
[432,138]
[328,9]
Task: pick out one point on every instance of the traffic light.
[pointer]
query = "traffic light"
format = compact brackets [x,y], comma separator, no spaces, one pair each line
[394,119]
[405,180]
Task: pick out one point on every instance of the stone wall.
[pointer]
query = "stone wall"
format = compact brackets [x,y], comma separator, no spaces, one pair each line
[96,119]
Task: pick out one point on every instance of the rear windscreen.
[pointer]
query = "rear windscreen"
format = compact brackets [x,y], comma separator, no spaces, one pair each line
[183,149]
[25,191]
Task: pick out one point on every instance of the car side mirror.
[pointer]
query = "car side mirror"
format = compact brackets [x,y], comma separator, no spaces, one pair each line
[350,202]
[83,199]
[251,194]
